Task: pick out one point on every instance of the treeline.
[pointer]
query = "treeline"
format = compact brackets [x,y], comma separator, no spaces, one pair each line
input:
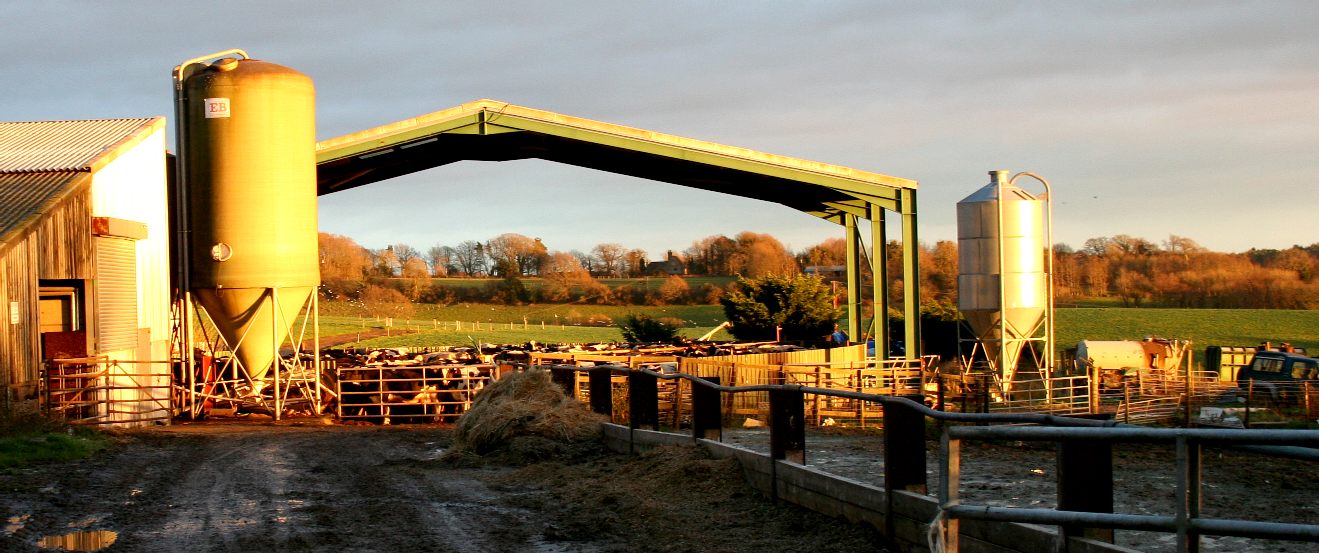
[401,272]
[1175,273]
[511,254]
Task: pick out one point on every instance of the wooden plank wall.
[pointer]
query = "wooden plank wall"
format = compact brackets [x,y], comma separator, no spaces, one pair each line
[65,241]
[59,247]
[19,347]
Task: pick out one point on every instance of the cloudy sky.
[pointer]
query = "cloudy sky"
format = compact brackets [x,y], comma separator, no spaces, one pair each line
[1197,119]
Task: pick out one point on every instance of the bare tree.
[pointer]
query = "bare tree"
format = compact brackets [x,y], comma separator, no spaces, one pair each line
[405,252]
[441,260]
[586,260]
[470,257]
[611,258]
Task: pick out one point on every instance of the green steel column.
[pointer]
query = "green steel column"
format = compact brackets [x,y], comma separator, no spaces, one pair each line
[853,276]
[911,274]
[879,279]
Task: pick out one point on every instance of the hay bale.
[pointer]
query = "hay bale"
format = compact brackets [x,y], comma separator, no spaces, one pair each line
[523,408]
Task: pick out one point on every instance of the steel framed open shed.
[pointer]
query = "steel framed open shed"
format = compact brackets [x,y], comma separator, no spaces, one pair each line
[489,130]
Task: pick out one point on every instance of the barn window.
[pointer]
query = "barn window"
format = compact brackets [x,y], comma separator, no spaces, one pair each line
[116,293]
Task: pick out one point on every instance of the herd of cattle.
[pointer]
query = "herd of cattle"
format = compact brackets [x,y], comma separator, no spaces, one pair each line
[389,386]
[398,386]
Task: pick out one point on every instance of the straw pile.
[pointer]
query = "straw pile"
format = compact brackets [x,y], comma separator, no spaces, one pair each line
[526,416]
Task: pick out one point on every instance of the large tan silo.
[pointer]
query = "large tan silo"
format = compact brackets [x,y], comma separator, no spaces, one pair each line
[1002,286]
[251,176]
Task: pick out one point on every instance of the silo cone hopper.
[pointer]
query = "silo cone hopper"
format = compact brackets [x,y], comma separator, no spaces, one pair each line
[254,322]
[1003,351]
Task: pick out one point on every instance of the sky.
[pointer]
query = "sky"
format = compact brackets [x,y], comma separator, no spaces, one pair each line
[1196,119]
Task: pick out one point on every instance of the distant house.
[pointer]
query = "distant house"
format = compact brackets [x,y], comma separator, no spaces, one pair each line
[827,272]
[84,256]
[672,265]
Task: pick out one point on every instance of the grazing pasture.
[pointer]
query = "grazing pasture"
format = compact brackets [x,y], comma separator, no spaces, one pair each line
[593,323]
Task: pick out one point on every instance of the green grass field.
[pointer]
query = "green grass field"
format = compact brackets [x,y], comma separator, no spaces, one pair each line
[417,333]
[1204,327]
[550,314]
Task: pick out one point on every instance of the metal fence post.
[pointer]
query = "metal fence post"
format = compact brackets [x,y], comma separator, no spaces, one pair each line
[707,416]
[950,465]
[787,425]
[1250,400]
[904,448]
[1189,499]
[1085,483]
[600,383]
[904,455]
[642,400]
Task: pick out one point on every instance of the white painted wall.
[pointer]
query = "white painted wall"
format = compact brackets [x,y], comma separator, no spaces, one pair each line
[134,187]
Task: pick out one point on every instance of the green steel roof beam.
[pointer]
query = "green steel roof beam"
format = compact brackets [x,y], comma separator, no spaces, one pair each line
[487,117]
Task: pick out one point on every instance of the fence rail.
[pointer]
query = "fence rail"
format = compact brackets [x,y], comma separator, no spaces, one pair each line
[1085,450]
[99,390]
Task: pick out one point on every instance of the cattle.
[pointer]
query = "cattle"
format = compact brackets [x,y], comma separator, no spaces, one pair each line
[385,387]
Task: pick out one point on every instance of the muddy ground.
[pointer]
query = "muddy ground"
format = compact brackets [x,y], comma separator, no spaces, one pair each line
[311,487]
[306,486]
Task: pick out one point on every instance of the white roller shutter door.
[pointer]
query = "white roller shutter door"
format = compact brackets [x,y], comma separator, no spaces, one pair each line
[116,294]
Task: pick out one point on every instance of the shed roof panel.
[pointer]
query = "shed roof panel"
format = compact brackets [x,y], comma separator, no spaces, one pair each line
[24,195]
[40,146]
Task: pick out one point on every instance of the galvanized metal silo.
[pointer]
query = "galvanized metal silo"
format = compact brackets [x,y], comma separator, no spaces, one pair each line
[248,134]
[1003,286]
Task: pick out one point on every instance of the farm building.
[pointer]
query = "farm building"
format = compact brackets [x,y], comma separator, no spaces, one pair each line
[84,246]
[671,265]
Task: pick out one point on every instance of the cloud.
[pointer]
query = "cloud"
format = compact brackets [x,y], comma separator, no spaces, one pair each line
[1170,110]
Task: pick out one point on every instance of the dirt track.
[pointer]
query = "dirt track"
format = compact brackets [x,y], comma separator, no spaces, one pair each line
[262,487]
[304,486]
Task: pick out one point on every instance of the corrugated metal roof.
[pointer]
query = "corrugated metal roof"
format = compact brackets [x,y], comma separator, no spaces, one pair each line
[41,146]
[23,195]
[40,162]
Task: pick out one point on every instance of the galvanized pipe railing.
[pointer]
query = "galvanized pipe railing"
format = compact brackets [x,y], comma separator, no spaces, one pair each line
[1078,514]
[1085,453]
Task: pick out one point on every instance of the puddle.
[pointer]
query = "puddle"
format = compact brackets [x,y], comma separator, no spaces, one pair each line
[16,523]
[82,540]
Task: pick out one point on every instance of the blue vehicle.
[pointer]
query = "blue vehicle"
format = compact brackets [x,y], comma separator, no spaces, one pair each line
[1278,373]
